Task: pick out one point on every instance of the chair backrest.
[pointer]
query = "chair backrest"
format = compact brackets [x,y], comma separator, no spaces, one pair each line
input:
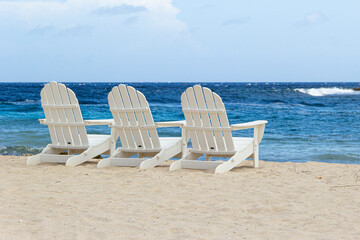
[134,123]
[206,120]
[63,116]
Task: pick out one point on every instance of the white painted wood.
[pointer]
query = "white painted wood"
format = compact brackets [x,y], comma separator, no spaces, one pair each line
[131,116]
[248,125]
[149,120]
[140,117]
[138,122]
[205,114]
[67,129]
[75,138]
[58,102]
[78,118]
[115,101]
[196,119]
[184,141]
[235,160]
[205,118]
[163,155]
[202,165]
[220,144]
[189,122]
[121,162]
[170,124]
[95,122]
[136,118]
[47,113]
[187,156]
[256,147]
[224,122]
[54,117]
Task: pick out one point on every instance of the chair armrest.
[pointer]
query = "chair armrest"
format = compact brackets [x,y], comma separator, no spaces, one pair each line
[42,121]
[247,125]
[98,122]
[170,124]
[259,128]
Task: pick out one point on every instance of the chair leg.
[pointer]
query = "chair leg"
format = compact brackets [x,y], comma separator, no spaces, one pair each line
[152,162]
[104,163]
[234,160]
[257,140]
[256,155]
[36,159]
[162,156]
[90,153]
[187,156]
[117,154]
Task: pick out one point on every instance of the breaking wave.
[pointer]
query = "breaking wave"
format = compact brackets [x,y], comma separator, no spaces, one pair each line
[319,92]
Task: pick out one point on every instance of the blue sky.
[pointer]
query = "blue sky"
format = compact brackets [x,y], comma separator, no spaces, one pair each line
[163,40]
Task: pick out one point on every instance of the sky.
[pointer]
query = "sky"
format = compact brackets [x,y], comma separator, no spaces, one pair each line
[179,41]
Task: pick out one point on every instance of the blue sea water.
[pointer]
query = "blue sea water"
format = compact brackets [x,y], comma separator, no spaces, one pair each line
[307,121]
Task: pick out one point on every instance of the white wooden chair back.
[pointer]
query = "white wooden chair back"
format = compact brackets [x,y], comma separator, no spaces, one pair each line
[134,123]
[63,116]
[206,120]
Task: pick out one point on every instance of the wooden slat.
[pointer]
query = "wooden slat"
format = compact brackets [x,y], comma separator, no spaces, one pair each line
[131,116]
[116,102]
[61,112]
[63,116]
[133,119]
[149,120]
[205,117]
[224,123]
[140,117]
[189,122]
[214,119]
[70,115]
[78,118]
[197,120]
[116,116]
[54,114]
[48,117]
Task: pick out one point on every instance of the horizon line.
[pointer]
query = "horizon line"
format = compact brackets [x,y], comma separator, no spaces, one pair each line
[190,82]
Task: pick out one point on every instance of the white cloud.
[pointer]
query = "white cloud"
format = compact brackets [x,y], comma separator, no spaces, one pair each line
[62,14]
[312,19]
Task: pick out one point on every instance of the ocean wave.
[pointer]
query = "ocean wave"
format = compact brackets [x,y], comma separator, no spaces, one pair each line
[21,102]
[319,92]
[19,150]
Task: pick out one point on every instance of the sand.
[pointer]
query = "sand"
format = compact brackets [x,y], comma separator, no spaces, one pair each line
[277,201]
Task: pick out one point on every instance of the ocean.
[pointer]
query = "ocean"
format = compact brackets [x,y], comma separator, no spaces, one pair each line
[307,121]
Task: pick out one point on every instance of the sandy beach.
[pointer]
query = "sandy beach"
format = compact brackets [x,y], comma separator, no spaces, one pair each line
[277,201]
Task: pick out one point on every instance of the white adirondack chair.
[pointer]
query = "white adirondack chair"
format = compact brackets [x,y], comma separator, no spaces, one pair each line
[134,125]
[67,129]
[208,128]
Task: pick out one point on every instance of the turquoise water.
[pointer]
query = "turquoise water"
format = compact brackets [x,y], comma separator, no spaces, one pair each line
[307,121]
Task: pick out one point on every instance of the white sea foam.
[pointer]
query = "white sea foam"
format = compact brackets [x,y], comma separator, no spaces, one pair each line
[319,92]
